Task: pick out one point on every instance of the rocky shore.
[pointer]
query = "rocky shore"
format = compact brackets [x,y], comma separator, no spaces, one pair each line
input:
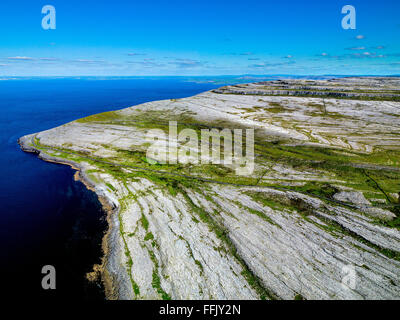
[318,218]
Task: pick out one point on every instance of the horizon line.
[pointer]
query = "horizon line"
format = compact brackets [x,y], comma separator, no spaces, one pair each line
[186,76]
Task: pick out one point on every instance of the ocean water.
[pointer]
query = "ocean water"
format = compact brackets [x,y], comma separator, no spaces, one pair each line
[47,218]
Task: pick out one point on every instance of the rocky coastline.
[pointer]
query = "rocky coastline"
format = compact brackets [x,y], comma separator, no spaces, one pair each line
[110,208]
[322,200]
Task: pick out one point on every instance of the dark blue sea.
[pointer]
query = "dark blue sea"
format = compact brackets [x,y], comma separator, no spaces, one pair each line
[47,218]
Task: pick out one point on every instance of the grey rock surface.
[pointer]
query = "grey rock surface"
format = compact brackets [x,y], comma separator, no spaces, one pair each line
[296,226]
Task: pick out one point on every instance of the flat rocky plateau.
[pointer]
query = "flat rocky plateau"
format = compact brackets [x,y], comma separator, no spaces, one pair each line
[317,218]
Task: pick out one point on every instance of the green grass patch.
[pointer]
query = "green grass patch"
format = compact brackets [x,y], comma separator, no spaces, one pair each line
[148,236]
[105,116]
[144,222]
[156,282]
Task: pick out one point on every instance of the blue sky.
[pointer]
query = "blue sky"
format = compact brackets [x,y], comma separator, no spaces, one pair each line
[219,37]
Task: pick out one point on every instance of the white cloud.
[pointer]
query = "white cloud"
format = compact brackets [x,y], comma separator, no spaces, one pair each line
[356,48]
[186,63]
[48,59]
[20,58]
[136,54]
[88,61]
[271,65]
